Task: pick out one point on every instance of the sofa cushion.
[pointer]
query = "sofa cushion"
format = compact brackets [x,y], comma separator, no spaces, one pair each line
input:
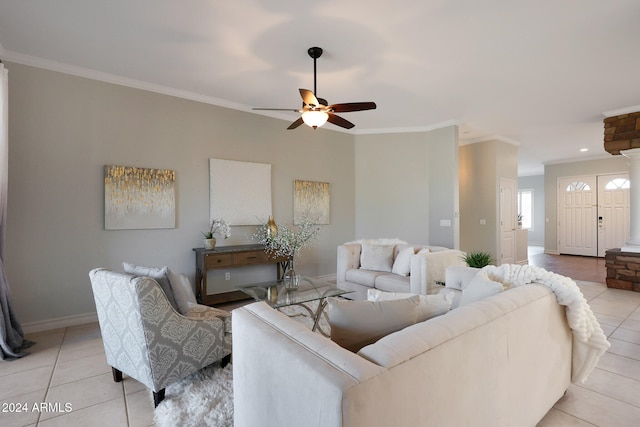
[479,288]
[376,257]
[402,263]
[428,307]
[355,324]
[363,277]
[159,274]
[393,283]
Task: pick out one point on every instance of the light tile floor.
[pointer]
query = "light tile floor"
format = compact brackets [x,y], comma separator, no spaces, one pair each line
[67,366]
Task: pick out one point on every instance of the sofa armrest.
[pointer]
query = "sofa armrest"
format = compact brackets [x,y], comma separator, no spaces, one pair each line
[286,375]
[430,267]
[348,257]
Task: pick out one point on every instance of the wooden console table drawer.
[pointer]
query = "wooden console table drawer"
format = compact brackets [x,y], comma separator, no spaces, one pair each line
[229,257]
[212,261]
[251,258]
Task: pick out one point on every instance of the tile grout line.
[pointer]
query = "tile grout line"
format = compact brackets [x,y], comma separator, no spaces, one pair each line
[55,365]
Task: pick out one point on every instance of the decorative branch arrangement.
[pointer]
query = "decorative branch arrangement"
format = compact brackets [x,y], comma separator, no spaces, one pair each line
[288,241]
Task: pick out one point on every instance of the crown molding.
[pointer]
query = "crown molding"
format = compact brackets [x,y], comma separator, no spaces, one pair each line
[118,80]
[414,129]
[166,90]
[626,110]
[490,138]
[581,159]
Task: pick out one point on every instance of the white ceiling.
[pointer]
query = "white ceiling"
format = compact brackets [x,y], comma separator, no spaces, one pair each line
[538,73]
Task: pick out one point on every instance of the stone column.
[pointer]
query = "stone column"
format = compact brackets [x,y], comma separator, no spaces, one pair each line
[633,244]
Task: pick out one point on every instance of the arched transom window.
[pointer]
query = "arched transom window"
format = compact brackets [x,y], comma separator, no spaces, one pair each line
[578,186]
[617,184]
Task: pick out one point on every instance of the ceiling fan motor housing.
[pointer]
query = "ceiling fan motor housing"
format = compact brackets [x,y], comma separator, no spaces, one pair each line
[315,52]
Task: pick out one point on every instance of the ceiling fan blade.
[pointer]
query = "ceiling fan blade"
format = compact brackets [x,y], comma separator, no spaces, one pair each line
[309,98]
[339,121]
[353,106]
[276,109]
[296,124]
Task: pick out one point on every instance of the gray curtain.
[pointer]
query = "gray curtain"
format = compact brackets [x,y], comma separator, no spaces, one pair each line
[12,342]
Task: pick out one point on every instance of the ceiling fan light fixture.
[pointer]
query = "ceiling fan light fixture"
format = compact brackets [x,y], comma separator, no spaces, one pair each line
[314,118]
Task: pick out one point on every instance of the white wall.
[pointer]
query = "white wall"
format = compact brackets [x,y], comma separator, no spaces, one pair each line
[63,130]
[552,172]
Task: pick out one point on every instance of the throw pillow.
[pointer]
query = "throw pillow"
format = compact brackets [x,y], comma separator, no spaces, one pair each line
[376,257]
[182,291]
[429,305]
[459,276]
[402,264]
[479,287]
[159,274]
[355,324]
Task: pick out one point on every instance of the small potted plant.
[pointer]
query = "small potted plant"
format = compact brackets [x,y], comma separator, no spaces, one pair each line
[218,226]
[478,259]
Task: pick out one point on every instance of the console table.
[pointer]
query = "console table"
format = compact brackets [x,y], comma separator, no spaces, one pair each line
[225,257]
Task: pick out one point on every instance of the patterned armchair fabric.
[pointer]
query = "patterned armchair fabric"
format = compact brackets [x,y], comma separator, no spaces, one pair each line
[145,338]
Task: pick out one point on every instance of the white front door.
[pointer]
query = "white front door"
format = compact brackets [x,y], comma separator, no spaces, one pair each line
[508,220]
[577,214]
[613,211]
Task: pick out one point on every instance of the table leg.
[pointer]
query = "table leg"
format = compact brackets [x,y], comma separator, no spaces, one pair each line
[322,304]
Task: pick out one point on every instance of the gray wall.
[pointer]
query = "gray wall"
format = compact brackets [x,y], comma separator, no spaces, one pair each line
[535,183]
[63,130]
[405,184]
[444,182]
[391,196]
[552,172]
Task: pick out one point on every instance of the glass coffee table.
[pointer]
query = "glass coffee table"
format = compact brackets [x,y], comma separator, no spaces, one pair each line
[275,294]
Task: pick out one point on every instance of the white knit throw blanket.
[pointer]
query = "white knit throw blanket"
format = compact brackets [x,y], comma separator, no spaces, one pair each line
[589,341]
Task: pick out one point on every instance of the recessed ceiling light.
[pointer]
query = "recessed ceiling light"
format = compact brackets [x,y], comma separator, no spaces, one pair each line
[584,149]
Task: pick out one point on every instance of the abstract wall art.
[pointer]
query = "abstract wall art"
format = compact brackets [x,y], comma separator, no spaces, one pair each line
[311,200]
[139,198]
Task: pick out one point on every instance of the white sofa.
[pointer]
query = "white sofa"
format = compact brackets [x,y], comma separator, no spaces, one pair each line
[501,361]
[419,275]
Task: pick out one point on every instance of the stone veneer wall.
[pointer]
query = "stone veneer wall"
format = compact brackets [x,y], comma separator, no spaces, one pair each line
[623,270]
[622,132]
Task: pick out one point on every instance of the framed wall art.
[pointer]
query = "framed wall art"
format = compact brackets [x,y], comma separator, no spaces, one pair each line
[239,192]
[139,198]
[311,200]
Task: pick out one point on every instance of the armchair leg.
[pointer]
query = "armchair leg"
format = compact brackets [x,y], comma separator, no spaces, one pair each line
[225,360]
[158,397]
[117,375]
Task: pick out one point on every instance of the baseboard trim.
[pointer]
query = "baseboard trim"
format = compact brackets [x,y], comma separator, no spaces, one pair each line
[60,322]
[551,252]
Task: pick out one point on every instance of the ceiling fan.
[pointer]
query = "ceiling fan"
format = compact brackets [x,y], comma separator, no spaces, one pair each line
[316,111]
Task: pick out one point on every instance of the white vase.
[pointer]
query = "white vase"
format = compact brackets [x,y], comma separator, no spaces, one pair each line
[210,243]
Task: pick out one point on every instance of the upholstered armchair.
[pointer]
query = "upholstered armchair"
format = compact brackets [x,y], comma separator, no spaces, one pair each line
[147,339]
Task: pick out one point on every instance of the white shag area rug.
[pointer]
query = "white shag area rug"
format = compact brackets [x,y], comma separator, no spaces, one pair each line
[205,398]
